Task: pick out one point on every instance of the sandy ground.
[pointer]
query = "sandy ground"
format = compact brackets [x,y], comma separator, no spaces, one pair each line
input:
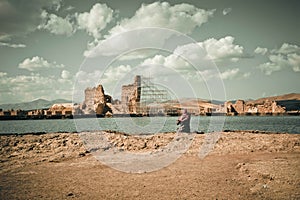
[241,165]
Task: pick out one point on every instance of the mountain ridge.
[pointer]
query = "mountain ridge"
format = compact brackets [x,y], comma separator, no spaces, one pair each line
[44,104]
[33,105]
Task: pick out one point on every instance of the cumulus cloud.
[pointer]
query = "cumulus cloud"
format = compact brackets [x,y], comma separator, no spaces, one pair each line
[138,54]
[65,74]
[260,50]
[226,11]
[96,20]
[194,59]
[85,79]
[22,17]
[172,61]
[4,44]
[37,63]
[229,74]
[268,68]
[33,86]
[287,49]
[55,24]
[233,73]
[161,15]
[114,73]
[93,22]
[181,17]
[184,56]
[223,48]
[287,56]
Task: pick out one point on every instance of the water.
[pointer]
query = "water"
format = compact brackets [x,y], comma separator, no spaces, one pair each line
[288,124]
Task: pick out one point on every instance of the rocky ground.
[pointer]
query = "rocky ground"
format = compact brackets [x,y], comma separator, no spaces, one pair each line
[227,165]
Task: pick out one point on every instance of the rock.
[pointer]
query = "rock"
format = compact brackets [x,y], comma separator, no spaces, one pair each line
[70,194]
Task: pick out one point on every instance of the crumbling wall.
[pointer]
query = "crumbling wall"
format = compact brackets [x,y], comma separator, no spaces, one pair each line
[239,106]
[131,95]
[96,101]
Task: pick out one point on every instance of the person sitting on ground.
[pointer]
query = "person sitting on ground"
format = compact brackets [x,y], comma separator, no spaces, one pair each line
[184,122]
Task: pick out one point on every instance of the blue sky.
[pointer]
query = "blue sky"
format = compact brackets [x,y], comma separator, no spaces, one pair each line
[55,49]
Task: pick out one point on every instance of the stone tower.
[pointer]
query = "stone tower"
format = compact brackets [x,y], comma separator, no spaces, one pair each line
[131,95]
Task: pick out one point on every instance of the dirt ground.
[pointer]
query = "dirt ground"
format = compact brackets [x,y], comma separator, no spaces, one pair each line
[242,165]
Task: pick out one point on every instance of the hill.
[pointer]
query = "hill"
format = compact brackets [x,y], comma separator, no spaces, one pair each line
[32,105]
[291,96]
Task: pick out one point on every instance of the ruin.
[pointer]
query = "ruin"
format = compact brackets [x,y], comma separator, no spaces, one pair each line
[131,95]
[242,108]
[96,101]
[143,97]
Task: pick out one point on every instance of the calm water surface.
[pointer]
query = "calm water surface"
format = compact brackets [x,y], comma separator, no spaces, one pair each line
[289,124]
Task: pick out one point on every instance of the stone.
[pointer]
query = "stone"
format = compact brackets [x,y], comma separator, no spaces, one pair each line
[95,102]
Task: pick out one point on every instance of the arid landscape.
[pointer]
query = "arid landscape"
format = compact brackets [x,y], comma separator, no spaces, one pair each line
[242,165]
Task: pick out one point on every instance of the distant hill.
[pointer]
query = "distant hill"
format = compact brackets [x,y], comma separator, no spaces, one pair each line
[290,101]
[32,105]
[291,96]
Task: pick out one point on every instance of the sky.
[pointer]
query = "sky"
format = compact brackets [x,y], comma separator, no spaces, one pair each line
[208,49]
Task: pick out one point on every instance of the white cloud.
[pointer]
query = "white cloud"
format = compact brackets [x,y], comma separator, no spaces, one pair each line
[28,87]
[161,15]
[69,8]
[138,54]
[4,44]
[217,50]
[268,68]
[2,74]
[20,19]
[223,48]
[287,56]
[114,73]
[260,50]
[65,74]
[38,63]
[55,24]
[172,61]
[294,61]
[230,74]
[192,61]
[87,79]
[287,49]
[234,74]
[181,17]
[156,60]
[226,11]
[197,56]
[146,38]
[96,20]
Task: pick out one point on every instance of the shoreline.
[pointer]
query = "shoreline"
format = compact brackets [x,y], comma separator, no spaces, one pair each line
[119,132]
[63,117]
[242,164]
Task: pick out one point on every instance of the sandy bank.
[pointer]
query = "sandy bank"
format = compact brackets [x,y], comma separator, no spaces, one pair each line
[241,165]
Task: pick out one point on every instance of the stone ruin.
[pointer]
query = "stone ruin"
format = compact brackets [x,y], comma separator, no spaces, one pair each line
[240,108]
[95,102]
[131,95]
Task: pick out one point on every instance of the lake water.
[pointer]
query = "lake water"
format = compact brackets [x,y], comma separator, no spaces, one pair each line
[147,125]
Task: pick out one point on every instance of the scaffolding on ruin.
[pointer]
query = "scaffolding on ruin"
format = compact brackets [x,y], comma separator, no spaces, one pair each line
[151,93]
